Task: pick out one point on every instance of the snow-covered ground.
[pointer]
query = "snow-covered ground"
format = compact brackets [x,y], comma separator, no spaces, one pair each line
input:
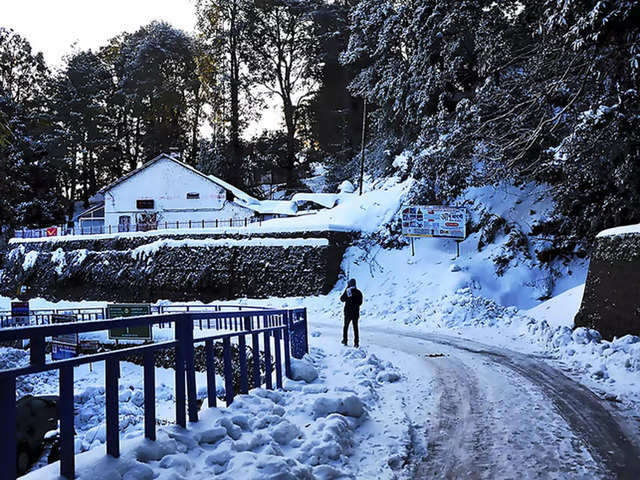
[416,311]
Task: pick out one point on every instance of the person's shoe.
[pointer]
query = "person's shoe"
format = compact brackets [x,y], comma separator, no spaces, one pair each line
[344,343]
[356,346]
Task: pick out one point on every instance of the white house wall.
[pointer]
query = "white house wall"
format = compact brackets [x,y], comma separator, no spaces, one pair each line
[167,184]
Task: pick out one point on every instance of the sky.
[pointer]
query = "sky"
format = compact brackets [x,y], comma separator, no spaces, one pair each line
[52,26]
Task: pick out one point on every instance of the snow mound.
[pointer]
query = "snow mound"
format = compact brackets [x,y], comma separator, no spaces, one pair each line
[303,370]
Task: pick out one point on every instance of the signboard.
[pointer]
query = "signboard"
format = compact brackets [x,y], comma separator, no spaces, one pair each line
[19,313]
[65,345]
[63,351]
[89,346]
[52,232]
[140,332]
[434,221]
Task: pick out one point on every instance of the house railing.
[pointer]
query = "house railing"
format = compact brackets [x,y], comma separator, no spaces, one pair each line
[278,334]
[61,231]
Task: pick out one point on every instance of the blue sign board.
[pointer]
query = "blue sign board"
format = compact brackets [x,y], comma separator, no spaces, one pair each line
[62,351]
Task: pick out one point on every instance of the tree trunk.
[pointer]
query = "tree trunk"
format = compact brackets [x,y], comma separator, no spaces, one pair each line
[289,116]
[236,147]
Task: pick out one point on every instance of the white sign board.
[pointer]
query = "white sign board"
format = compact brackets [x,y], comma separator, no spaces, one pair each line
[434,221]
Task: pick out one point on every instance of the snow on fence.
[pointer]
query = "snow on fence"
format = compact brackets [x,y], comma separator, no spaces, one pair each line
[284,331]
[61,231]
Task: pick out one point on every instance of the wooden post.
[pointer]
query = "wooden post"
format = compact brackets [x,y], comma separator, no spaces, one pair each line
[413,249]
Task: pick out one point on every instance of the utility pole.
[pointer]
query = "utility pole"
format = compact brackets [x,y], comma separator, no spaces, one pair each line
[364,138]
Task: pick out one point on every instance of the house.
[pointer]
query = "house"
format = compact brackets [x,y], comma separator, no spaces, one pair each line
[167,193]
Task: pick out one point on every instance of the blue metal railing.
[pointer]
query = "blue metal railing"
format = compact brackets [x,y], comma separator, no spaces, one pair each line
[43,316]
[285,330]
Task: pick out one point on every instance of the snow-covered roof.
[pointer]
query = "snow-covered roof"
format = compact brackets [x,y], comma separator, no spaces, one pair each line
[326,200]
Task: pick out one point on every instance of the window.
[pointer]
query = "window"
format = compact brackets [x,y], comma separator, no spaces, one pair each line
[145,204]
[230,197]
[193,196]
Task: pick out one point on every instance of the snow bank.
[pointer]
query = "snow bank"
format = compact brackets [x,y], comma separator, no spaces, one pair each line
[307,431]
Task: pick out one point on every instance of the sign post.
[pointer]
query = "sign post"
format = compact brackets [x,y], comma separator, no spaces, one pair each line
[139,332]
[434,221]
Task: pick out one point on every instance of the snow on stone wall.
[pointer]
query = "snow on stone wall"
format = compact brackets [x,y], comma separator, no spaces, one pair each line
[179,269]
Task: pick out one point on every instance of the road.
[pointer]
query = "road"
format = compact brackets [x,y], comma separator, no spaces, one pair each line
[481,412]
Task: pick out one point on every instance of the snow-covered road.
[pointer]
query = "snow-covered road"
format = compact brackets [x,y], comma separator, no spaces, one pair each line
[484,412]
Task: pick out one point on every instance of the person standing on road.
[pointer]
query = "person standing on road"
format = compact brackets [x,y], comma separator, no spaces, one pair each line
[352,299]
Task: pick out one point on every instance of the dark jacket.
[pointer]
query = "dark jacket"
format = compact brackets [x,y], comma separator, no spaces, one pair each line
[352,303]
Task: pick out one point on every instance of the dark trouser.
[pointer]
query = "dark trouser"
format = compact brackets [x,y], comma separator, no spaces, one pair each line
[345,330]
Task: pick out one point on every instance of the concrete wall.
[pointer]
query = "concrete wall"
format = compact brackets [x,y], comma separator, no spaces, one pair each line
[167,184]
[112,270]
[611,301]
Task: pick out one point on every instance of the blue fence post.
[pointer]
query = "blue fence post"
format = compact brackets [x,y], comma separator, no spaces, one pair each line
[65,410]
[287,345]
[148,361]
[36,350]
[228,370]
[211,373]
[306,330]
[267,361]
[276,336]
[181,408]
[8,428]
[112,370]
[190,366]
[242,355]
[255,351]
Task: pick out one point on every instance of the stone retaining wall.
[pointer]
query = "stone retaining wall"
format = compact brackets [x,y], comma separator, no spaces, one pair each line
[611,301]
[176,267]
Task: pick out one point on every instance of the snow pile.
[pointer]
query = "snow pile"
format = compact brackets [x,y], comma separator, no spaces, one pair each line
[30,260]
[58,258]
[309,430]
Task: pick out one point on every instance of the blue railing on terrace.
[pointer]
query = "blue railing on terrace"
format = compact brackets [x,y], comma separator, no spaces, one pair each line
[61,231]
[277,334]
